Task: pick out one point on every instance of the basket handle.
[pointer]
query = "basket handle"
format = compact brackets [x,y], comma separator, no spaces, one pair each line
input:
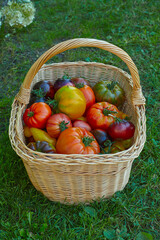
[137,96]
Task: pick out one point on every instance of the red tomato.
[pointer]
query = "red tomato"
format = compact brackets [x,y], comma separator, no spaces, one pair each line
[78,80]
[58,123]
[88,94]
[36,116]
[82,124]
[77,140]
[121,130]
[101,115]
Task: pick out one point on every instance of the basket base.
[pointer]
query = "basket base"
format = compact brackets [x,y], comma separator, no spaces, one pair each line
[74,189]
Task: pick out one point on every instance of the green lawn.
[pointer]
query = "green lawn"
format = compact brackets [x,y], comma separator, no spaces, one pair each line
[133,213]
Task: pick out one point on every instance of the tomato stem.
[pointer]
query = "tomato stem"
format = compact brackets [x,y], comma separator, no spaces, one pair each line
[63,125]
[116,118]
[107,112]
[79,85]
[65,76]
[111,85]
[127,118]
[39,92]
[30,114]
[87,141]
[53,103]
[108,143]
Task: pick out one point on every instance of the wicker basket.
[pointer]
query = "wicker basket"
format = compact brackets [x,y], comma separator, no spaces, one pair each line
[80,178]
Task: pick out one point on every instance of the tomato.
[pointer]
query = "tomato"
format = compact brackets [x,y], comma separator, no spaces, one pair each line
[71,101]
[40,135]
[43,88]
[41,92]
[37,115]
[109,91]
[77,140]
[77,80]
[118,146]
[82,124]
[60,82]
[101,115]
[42,146]
[88,94]
[113,148]
[100,135]
[27,132]
[58,123]
[121,130]
[127,143]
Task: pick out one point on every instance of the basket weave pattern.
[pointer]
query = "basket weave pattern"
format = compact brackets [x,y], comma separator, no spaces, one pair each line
[78,178]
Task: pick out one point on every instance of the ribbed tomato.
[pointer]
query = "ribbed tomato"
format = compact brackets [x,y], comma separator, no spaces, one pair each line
[109,91]
[77,140]
[101,115]
[42,146]
[57,123]
[36,116]
[71,101]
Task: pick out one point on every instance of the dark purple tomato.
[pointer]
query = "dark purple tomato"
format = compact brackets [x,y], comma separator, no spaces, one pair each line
[121,130]
[42,146]
[43,89]
[60,82]
[100,135]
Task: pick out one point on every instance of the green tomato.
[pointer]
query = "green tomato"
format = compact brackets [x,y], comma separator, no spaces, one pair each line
[109,91]
[118,146]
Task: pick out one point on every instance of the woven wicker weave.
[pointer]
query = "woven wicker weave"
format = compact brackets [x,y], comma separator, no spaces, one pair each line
[79,178]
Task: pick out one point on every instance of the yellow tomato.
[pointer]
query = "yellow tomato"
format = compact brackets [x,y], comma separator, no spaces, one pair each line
[27,132]
[71,101]
[41,135]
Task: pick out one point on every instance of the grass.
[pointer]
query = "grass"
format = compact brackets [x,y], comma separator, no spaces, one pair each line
[133,213]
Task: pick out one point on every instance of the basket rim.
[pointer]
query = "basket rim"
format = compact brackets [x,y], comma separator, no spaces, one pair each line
[77,159]
[83,63]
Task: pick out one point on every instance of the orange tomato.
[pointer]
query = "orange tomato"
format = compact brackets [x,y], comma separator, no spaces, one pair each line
[77,140]
[101,115]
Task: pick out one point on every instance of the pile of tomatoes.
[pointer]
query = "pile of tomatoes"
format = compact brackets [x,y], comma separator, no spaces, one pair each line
[69,116]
